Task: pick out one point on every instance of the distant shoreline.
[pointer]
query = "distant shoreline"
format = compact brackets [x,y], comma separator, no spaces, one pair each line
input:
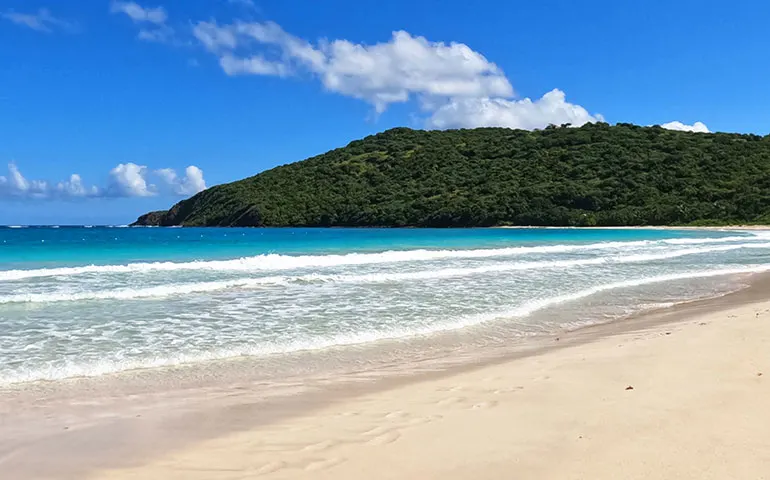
[649,227]
[511,227]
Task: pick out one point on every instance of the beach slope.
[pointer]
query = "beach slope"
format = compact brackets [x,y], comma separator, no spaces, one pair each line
[686,400]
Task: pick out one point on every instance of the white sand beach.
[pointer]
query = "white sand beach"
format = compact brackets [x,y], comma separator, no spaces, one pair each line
[683,398]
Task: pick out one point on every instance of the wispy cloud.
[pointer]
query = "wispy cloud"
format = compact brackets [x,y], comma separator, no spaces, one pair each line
[139,14]
[42,21]
[244,3]
[125,180]
[152,21]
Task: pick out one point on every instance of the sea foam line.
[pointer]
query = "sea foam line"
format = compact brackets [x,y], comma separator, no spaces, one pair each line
[162,291]
[273,262]
[354,338]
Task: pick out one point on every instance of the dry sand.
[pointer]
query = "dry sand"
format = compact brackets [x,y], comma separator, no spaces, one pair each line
[683,400]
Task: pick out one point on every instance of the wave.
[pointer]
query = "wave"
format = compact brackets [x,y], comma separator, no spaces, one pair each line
[274,262]
[531,307]
[355,338]
[261,282]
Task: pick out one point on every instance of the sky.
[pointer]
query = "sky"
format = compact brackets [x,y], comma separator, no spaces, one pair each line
[110,109]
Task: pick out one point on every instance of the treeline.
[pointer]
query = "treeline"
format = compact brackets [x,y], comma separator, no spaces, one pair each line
[593,175]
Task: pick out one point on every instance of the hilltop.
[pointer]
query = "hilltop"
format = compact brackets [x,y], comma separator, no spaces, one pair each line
[593,175]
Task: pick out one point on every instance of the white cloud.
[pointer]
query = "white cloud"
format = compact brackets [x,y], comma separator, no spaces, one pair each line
[191,184]
[525,114]
[125,180]
[699,127]
[152,21]
[244,3]
[254,65]
[42,21]
[390,72]
[140,14]
[16,185]
[214,37]
[162,34]
[74,188]
[128,180]
[404,67]
[454,85]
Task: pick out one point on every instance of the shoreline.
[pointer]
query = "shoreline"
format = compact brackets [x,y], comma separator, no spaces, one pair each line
[647,399]
[247,407]
[653,227]
[619,227]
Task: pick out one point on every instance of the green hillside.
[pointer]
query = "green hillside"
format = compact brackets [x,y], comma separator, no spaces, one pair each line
[594,175]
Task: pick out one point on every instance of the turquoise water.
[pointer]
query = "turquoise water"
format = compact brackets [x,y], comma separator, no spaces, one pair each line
[33,247]
[88,301]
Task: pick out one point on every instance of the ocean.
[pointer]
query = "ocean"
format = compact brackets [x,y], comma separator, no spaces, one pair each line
[88,301]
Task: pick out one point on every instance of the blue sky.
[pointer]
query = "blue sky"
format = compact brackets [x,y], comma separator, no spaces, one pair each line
[149,102]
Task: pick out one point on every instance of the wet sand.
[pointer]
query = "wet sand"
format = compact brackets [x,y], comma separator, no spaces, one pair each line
[561,409]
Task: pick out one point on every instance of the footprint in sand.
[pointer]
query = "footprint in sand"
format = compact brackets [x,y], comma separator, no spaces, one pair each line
[397,414]
[448,402]
[270,468]
[375,431]
[320,446]
[483,405]
[323,464]
[455,388]
[421,420]
[349,414]
[503,391]
[385,438]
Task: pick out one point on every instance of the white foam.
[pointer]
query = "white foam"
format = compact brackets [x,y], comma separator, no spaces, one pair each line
[248,283]
[533,306]
[755,235]
[140,293]
[273,262]
[354,338]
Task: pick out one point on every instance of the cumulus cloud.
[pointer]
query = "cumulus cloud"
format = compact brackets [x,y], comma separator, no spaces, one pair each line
[125,180]
[129,180]
[699,127]
[454,85]
[190,184]
[74,188]
[42,21]
[152,20]
[525,114]
[16,185]
[389,72]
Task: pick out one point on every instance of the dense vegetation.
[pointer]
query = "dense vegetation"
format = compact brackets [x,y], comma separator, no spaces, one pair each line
[594,175]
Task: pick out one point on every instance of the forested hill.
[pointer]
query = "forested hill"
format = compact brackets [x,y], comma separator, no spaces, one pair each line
[593,175]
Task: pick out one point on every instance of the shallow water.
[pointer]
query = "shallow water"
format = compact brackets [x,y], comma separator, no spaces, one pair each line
[88,301]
